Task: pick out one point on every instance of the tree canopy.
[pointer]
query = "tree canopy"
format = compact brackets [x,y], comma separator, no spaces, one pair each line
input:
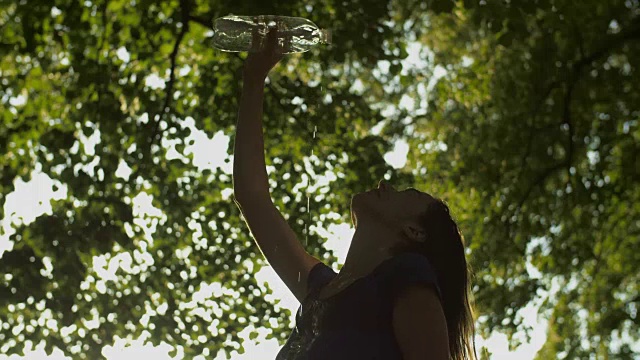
[523,116]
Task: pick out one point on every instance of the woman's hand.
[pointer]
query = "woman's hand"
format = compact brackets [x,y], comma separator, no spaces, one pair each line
[259,63]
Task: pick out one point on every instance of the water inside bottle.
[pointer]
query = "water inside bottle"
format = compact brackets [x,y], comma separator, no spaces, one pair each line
[295,35]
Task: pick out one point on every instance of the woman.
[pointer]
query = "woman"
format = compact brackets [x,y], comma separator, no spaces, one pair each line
[403,291]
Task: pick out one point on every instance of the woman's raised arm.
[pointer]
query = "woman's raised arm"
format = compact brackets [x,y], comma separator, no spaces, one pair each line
[273,235]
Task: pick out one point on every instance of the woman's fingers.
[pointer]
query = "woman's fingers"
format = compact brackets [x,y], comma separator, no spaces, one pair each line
[255,39]
[265,54]
[272,41]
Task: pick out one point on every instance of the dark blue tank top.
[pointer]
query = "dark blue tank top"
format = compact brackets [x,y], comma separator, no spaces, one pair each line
[356,323]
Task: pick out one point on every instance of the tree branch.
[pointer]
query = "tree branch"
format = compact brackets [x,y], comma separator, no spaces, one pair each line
[611,43]
[185,9]
[568,158]
[534,115]
[202,21]
[566,115]
[540,181]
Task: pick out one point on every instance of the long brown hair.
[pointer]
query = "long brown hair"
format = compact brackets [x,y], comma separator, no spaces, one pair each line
[444,247]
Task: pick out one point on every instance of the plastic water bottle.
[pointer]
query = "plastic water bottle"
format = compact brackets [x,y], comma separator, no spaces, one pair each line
[295,35]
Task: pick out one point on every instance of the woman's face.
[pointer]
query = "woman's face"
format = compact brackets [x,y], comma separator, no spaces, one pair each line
[385,205]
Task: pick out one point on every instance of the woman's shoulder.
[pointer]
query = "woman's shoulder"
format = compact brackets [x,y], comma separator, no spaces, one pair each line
[406,261]
[320,275]
[404,270]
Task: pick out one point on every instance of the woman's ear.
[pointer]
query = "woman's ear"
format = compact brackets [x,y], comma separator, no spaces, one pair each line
[414,232]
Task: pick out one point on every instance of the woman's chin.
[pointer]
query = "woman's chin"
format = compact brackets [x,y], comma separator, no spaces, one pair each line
[360,197]
[364,202]
[369,193]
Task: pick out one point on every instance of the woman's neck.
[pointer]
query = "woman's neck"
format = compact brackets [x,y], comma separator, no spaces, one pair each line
[366,252]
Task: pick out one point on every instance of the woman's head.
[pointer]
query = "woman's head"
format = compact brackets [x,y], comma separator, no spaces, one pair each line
[389,210]
[413,221]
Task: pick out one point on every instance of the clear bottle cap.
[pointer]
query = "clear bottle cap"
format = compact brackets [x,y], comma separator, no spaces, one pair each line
[326,36]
